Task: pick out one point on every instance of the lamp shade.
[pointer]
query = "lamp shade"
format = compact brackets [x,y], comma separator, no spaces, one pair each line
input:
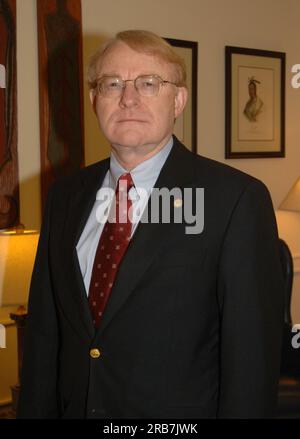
[292,200]
[17,254]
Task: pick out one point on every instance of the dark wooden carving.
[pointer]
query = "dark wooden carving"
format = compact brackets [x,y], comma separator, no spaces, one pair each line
[61,100]
[9,186]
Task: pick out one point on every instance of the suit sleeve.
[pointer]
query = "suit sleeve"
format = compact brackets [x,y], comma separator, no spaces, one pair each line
[252,293]
[38,397]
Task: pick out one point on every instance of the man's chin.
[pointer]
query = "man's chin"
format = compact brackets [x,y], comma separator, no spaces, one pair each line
[129,141]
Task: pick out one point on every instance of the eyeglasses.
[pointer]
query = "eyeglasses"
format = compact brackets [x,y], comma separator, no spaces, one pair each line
[145,85]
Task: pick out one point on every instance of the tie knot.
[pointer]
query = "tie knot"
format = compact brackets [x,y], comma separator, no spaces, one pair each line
[125,183]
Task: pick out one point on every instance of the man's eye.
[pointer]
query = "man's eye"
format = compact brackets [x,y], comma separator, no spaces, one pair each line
[113,84]
[148,84]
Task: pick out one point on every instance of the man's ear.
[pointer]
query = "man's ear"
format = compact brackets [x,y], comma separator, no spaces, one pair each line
[181,98]
[93,96]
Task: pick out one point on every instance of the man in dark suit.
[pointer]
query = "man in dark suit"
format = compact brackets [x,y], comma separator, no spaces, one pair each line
[186,321]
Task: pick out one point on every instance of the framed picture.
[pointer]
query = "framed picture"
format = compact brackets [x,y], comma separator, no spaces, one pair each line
[255,103]
[186,125]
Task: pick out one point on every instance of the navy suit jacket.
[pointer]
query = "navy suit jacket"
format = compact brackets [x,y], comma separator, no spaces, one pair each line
[193,325]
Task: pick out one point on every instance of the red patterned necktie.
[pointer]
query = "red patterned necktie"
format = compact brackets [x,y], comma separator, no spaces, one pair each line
[111,248]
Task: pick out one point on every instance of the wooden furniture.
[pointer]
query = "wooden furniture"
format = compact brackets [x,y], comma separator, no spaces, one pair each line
[61,90]
[9,179]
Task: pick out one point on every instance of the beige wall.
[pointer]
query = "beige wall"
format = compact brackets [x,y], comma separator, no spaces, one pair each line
[28,114]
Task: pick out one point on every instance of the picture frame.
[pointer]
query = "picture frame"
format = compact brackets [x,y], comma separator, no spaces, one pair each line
[186,125]
[254,103]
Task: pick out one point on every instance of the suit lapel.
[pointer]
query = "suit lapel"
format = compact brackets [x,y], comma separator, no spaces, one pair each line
[79,209]
[149,236]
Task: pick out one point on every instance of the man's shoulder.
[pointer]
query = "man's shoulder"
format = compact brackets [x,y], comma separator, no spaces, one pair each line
[92,174]
[217,176]
[213,170]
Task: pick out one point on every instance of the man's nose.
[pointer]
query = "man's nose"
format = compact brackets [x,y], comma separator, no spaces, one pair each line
[130,96]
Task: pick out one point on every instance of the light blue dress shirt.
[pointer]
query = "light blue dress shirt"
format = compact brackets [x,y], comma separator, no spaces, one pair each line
[144,177]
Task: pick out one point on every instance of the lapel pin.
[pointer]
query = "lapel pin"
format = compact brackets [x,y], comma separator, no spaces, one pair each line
[178,202]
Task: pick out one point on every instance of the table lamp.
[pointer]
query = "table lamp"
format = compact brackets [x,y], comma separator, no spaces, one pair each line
[292,200]
[17,253]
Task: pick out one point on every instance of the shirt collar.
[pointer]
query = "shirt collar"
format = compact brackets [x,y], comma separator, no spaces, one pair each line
[145,174]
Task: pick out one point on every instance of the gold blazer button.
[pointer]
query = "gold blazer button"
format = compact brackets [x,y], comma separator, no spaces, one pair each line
[95,353]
